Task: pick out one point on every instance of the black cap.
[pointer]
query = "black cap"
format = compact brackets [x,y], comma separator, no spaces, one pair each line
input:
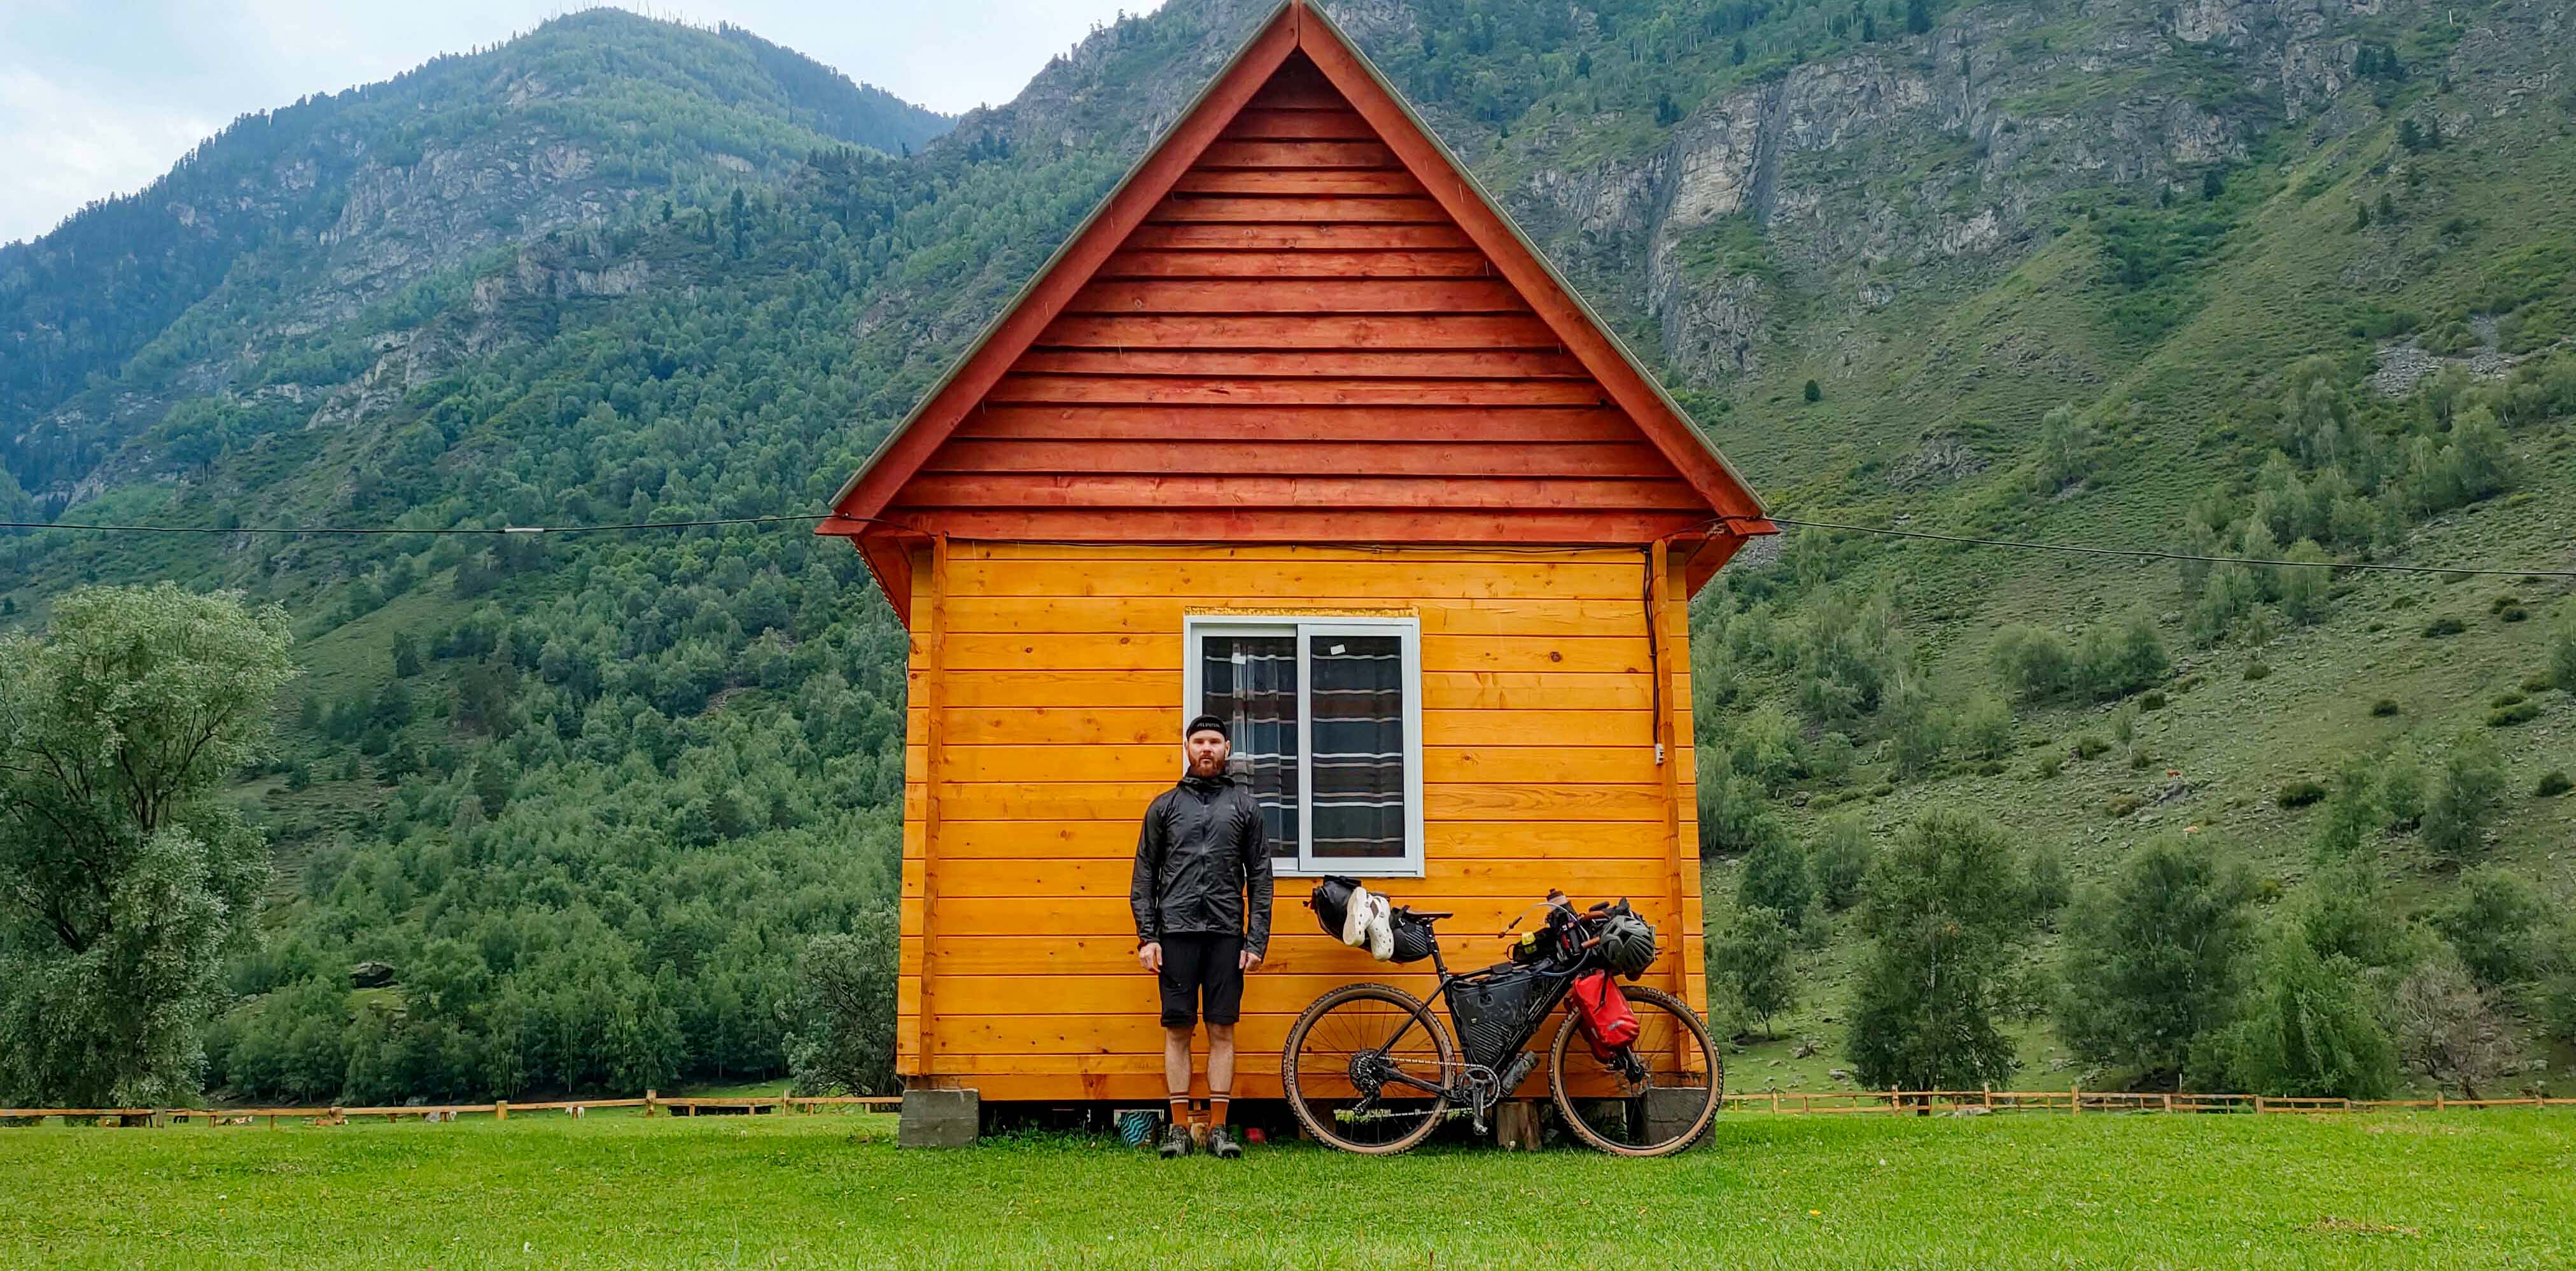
[1206,723]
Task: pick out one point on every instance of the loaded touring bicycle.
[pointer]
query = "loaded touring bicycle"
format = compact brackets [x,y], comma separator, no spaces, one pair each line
[1369,1068]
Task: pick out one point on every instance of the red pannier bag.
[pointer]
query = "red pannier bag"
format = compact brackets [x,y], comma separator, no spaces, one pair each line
[1601,1012]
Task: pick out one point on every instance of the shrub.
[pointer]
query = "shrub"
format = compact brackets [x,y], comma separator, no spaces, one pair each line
[1814,392]
[2401,793]
[2090,747]
[2154,959]
[2114,661]
[2151,700]
[2553,783]
[2048,766]
[2496,921]
[1985,728]
[2258,670]
[2123,805]
[2509,716]
[2444,626]
[2299,793]
[2562,659]
[2384,707]
[2470,797]
[2034,664]
[1840,861]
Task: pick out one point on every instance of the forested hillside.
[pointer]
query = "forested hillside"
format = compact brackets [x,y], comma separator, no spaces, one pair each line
[2225,278]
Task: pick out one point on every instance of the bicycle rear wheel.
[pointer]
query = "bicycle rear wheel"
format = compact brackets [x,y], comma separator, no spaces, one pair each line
[1342,1066]
[1655,1098]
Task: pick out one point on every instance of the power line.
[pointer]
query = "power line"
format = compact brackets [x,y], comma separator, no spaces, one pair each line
[380,529]
[2027,545]
[2142,553]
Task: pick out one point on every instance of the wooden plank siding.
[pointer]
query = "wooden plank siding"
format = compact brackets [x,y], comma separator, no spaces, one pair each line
[1058,704]
[1299,333]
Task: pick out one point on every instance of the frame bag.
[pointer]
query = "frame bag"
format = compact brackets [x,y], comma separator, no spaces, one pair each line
[1602,1014]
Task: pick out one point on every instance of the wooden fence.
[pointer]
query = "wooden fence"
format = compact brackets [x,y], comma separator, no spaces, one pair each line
[653,1103]
[1978,1102]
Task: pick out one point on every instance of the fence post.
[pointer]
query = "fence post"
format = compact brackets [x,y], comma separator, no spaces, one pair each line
[2075,1100]
[2260,1106]
[500,1109]
[2437,1100]
[650,1098]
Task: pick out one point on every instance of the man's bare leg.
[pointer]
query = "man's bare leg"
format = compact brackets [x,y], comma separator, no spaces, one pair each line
[1220,1071]
[1176,1067]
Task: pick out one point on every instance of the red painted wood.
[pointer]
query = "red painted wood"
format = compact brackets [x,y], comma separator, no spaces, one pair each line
[1253,236]
[1141,390]
[1299,153]
[1239,456]
[1297,295]
[1297,264]
[1220,524]
[1219,209]
[1302,331]
[1297,322]
[1476,364]
[1477,426]
[994,490]
[1360,183]
[1256,123]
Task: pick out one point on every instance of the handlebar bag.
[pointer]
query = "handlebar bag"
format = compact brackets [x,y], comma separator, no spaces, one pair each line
[1602,1014]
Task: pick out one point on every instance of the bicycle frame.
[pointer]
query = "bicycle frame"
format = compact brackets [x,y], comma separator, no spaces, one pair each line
[1466,1091]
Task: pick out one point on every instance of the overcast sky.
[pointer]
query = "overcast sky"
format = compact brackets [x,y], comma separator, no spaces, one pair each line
[98,97]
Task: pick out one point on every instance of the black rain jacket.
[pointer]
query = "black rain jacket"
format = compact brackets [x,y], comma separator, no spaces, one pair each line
[1202,849]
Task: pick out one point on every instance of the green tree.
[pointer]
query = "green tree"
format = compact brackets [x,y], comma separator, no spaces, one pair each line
[1814,392]
[2121,658]
[2448,1028]
[2496,922]
[1918,17]
[2401,792]
[1775,878]
[1840,860]
[843,1039]
[1756,960]
[2351,816]
[2309,1031]
[2066,443]
[1945,919]
[2469,799]
[130,879]
[2033,663]
[2154,959]
[2562,658]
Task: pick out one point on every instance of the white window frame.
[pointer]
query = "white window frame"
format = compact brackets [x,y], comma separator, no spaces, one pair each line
[1408,633]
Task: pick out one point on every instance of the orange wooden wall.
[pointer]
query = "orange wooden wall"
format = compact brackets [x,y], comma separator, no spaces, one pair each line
[1298,344]
[1055,673]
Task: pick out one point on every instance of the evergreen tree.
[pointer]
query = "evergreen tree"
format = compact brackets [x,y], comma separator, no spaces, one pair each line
[1944,916]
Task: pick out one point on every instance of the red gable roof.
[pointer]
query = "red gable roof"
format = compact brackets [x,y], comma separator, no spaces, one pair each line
[1297,320]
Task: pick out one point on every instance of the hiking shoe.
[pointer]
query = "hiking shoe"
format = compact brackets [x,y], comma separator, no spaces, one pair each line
[1221,1144]
[1176,1140]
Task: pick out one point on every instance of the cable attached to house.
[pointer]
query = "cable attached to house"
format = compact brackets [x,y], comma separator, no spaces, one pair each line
[2143,553]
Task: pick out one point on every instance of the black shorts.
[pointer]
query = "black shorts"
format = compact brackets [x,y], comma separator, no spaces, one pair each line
[1201,966]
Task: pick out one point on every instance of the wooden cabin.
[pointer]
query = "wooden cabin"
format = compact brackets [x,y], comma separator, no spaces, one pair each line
[1297,429]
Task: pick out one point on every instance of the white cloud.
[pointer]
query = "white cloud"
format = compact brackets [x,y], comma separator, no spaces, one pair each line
[66,148]
[99,97]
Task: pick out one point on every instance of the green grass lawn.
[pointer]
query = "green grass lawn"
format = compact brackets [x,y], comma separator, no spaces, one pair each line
[2451,1190]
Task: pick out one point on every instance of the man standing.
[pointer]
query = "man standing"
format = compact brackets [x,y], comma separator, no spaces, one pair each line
[1202,901]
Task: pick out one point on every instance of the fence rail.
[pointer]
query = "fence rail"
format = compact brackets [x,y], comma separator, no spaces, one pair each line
[653,1103]
[1975,1102]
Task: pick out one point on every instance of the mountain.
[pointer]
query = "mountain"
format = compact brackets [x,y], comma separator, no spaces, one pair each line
[2219,277]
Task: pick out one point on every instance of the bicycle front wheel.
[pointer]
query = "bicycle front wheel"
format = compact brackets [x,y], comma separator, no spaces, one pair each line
[1654,1098]
[1367,1068]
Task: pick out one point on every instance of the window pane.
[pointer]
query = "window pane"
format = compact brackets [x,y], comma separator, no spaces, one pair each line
[1358,735]
[1250,682]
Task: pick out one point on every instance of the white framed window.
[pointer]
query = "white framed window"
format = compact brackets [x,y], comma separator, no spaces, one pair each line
[1325,713]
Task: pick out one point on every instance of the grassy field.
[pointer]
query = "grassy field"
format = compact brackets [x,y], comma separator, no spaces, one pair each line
[2453,1190]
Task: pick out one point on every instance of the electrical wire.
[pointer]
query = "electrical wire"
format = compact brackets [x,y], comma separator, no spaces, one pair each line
[2142,553]
[2026,545]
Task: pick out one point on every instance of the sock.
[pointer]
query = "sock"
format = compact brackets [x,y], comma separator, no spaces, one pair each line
[1180,1109]
[1216,1108]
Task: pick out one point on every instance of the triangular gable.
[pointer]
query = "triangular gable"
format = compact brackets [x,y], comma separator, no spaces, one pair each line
[1437,382]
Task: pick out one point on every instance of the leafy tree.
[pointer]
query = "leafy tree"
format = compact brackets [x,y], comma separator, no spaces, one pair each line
[2448,1028]
[2352,814]
[2343,913]
[1756,958]
[130,878]
[2033,663]
[1775,878]
[2401,792]
[2066,443]
[1985,730]
[1840,860]
[2114,660]
[2309,1030]
[844,1036]
[2303,590]
[1944,916]
[2154,960]
[2470,798]
[2562,658]
[2496,923]
[2050,887]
